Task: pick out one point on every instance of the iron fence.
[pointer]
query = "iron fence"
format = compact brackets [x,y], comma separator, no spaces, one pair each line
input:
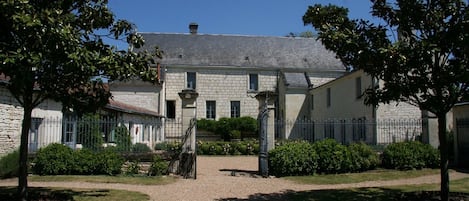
[377,132]
[95,133]
[173,130]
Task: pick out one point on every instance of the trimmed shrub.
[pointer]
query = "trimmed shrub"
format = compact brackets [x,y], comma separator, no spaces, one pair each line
[158,167]
[85,162]
[410,155]
[140,148]
[54,159]
[161,146]
[109,162]
[293,159]
[332,156]
[9,165]
[362,157]
[228,148]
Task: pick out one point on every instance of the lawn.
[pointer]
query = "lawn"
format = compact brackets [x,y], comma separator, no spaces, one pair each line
[40,194]
[140,180]
[459,192]
[373,175]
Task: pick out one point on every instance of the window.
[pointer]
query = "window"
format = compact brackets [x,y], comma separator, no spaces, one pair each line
[328,101]
[358,87]
[253,82]
[211,109]
[170,109]
[235,109]
[191,80]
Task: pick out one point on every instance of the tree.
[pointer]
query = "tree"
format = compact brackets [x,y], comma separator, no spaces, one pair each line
[304,34]
[420,50]
[55,50]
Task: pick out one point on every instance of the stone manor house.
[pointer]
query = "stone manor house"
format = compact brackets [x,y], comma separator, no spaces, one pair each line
[227,72]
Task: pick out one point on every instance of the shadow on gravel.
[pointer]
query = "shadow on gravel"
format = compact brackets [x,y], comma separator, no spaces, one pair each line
[462,170]
[39,194]
[237,172]
[360,194]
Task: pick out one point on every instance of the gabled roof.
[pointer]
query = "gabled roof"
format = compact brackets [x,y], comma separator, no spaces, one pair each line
[205,50]
[130,109]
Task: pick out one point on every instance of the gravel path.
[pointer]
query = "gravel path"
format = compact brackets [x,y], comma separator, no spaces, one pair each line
[215,182]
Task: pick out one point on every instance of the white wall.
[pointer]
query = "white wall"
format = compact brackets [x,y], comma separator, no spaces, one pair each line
[344,102]
[137,93]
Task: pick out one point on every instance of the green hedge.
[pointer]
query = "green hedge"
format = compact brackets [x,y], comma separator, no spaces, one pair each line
[228,148]
[55,159]
[410,155]
[58,159]
[296,158]
[326,156]
[224,126]
[9,165]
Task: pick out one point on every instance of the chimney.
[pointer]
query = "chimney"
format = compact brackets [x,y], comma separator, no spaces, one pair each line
[193,28]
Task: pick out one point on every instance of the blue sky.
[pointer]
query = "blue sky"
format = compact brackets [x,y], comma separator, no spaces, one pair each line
[241,17]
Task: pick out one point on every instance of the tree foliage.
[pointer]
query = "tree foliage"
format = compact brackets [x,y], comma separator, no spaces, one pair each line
[420,50]
[55,49]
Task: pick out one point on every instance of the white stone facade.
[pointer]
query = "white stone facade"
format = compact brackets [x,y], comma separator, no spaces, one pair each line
[221,85]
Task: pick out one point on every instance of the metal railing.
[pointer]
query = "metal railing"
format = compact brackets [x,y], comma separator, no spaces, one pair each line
[346,131]
[173,130]
[126,136]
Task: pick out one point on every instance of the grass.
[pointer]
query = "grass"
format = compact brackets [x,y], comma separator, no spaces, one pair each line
[459,191]
[374,175]
[140,180]
[39,194]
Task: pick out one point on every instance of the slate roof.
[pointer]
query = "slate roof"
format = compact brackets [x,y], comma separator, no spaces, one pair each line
[243,51]
[296,80]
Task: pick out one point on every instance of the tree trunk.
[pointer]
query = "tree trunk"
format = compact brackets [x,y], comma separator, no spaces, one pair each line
[444,190]
[23,168]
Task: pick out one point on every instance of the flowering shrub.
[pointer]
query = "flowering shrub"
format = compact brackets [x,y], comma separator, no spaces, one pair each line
[228,148]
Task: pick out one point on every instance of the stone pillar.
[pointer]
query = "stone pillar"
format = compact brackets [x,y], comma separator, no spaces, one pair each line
[266,128]
[187,159]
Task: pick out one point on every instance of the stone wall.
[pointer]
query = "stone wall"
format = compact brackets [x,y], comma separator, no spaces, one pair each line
[220,85]
[10,122]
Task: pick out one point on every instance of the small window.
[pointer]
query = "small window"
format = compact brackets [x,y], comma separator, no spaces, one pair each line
[328,101]
[253,82]
[211,109]
[358,87]
[171,109]
[235,109]
[191,80]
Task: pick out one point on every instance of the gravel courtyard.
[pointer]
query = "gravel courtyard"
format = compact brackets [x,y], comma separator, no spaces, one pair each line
[215,182]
